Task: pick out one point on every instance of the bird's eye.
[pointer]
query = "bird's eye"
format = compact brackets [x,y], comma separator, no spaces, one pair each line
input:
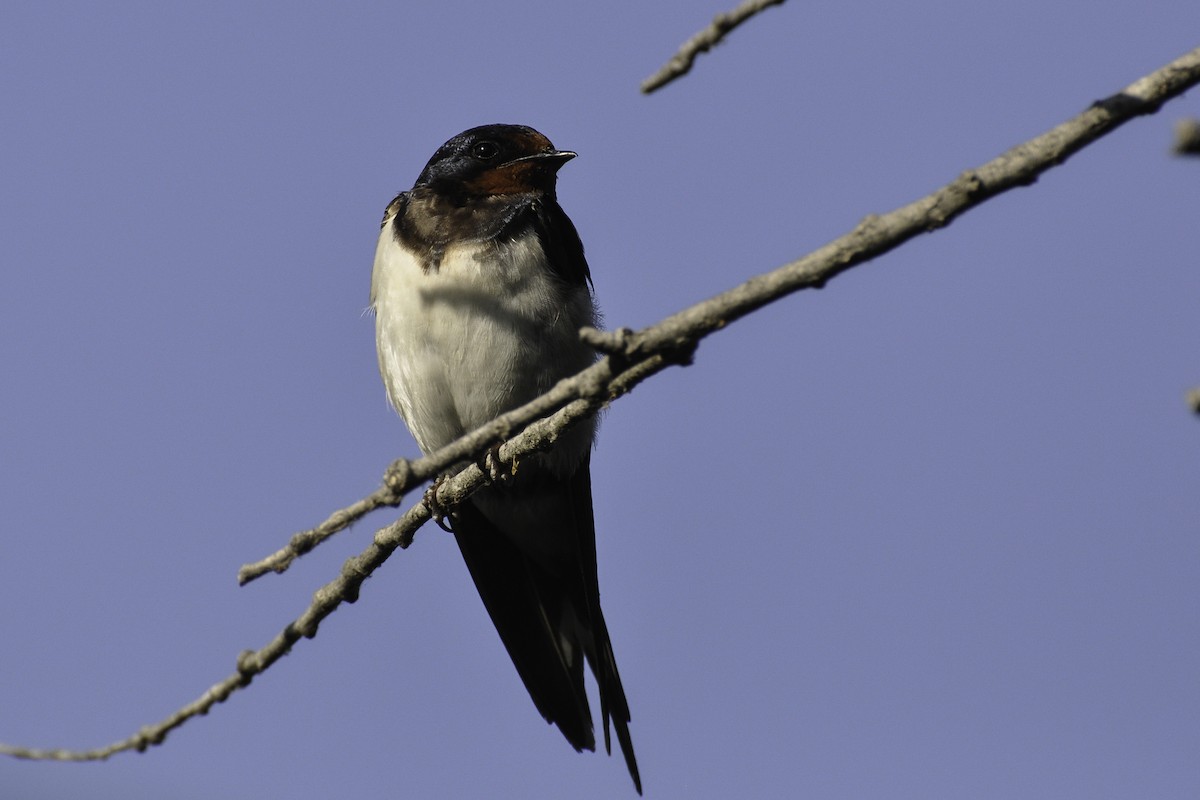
[485,151]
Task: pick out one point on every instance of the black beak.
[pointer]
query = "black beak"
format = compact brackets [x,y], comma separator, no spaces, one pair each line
[553,159]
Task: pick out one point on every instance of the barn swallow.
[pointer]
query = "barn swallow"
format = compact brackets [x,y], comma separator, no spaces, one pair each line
[479,289]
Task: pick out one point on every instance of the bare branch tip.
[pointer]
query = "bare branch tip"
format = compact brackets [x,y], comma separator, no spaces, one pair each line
[278,562]
[618,342]
[398,477]
[681,63]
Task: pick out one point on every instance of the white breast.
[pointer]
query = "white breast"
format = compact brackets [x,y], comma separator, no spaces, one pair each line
[484,332]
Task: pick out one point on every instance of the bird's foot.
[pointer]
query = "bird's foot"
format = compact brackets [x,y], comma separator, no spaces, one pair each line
[436,511]
[495,470]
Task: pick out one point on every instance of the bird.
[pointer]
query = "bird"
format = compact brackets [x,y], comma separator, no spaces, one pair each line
[479,288]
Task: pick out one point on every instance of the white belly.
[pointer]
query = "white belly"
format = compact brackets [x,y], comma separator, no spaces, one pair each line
[483,333]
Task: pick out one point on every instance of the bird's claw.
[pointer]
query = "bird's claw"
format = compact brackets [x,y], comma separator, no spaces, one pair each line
[436,511]
[493,468]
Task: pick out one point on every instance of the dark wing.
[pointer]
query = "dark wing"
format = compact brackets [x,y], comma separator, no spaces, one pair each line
[560,241]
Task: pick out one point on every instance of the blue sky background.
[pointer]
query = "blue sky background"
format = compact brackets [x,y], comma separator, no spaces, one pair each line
[931,532]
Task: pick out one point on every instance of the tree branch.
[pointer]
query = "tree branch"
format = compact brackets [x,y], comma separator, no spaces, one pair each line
[633,357]
[681,63]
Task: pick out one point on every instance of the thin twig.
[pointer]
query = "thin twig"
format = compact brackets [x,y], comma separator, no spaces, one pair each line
[681,63]
[633,357]
[390,494]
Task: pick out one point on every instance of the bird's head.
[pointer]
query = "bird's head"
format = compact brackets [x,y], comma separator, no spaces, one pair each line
[494,160]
